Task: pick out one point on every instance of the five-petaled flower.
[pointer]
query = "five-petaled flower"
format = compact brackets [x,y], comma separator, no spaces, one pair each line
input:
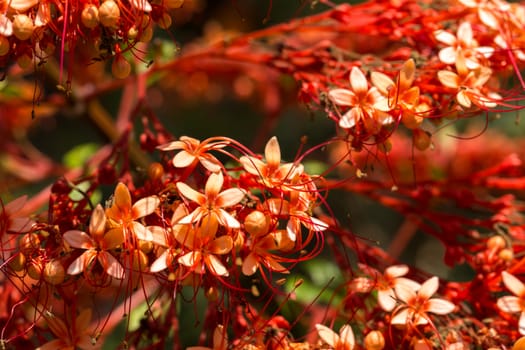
[362,101]
[97,246]
[212,202]
[203,246]
[386,283]
[272,173]
[462,45]
[513,303]
[415,304]
[193,151]
[343,341]
[123,215]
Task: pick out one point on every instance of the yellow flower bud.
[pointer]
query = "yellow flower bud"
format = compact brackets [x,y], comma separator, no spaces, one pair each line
[109,14]
[89,16]
[120,67]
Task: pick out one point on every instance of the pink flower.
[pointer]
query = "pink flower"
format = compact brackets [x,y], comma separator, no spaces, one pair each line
[212,202]
[513,303]
[97,246]
[362,101]
[416,304]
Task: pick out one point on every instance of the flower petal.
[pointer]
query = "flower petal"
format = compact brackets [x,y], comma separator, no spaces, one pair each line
[97,223]
[396,271]
[229,197]
[145,206]
[347,336]
[214,185]
[429,287]
[79,264]
[440,306]
[272,153]
[386,299]
[250,265]
[183,159]
[327,335]
[227,220]
[221,245]
[111,265]
[79,239]
[358,81]
[510,304]
[343,97]
[160,263]
[189,193]
[382,82]
[215,265]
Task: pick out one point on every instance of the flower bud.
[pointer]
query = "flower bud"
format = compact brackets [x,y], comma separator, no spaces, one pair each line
[109,14]
[256,223]
[24,61]
[155,171]
[374,341]
[422,139]
[89,16]
[23,27]
[120,67]
[54,272]
[29,243]
[496,243]
[519,344]
[34,269]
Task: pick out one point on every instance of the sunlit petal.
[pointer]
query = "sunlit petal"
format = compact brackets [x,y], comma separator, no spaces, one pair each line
[347,336]
[214,185]
[79,239]
[343,97]
[221,245]
[145,206]
[97,224]
[183,159]
[250,265]
[191,194]
[216,266]
[429,287]
[358,81]
[327,335]
[111,265]
[272,153]
[510,304]
[386,299]
[229,197]
[440,306]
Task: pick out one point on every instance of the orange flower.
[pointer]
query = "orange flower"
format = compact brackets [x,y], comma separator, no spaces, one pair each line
[96,245]
[469,85]
[386,283]
[416,304]
[192,150]
[123,215]
[343,341]
[212,202]
[272,173]
[203,247]
[401,94]
[70,338]
[362,101]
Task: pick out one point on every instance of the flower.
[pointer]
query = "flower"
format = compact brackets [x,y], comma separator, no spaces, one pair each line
[272,173]
[400,94]
[343,341]
[96,245]
[124,215]
[362,101]
[513,303]
[212,202]
[386,283]
[464,45]
[203,247]
[70,337]
[259,254]
[192,150]
[416,304]
[469,85]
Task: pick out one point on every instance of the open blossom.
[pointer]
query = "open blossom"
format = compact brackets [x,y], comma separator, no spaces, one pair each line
[362,102]
[513,303]
[212,202]
[192,151]
[272,173]
[97,244]
[343,341]
[416,304]
[385,283]
[122,214]
[470,85]
[464,45]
